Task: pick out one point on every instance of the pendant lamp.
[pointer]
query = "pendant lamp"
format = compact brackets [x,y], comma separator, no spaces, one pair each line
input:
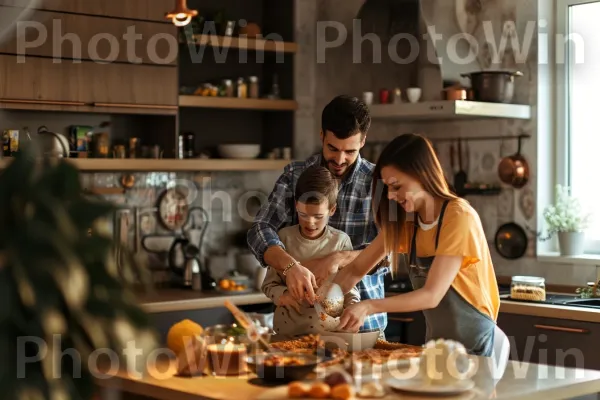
[181,15]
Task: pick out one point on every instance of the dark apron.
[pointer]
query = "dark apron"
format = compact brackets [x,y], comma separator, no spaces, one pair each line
[454,318]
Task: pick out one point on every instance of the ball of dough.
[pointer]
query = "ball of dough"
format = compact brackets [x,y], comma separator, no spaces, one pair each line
[319,390]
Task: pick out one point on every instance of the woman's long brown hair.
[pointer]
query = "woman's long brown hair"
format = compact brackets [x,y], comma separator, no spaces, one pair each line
[413,155]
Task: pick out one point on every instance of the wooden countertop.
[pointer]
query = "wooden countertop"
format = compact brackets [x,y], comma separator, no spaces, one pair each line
[520,381]
[166,300]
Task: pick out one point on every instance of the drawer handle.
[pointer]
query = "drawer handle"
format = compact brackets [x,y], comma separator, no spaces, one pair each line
[128,105]
[45,102]
[401,319]
[561,329]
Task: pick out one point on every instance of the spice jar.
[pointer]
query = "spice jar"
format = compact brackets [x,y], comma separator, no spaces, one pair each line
[242,88]
[528,288]
[228,88]
[253,87]
[119,151]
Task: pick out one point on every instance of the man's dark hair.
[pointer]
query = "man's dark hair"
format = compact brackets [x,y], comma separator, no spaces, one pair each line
[346,116]
[315,185]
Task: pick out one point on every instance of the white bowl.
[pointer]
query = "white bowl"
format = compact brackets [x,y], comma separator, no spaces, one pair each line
[240,151]
[351,341]
[413,94]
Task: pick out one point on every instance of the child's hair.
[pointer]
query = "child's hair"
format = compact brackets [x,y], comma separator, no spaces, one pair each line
[315,185]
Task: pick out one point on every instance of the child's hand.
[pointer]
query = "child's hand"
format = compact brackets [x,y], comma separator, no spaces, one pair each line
[286,300]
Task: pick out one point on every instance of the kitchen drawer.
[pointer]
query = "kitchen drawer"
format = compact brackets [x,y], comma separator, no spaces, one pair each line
[552,341]
[150,10]
[91,38]
[105,85]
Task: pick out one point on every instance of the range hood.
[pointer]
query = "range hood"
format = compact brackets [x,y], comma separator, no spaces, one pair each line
[436,66]
[449,110]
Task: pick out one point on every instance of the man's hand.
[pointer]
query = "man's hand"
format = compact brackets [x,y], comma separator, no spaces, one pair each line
[301,283]
[323,267]
[286,300]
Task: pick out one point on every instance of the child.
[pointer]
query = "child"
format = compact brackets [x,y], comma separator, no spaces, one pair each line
[316,199]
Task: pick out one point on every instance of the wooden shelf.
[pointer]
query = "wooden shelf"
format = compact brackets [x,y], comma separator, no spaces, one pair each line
[172,165]
[236,103]
[246,43]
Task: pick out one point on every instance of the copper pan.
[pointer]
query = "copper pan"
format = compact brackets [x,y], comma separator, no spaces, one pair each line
[514,170]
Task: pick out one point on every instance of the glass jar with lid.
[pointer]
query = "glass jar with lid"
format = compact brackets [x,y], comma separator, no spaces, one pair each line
[530,288]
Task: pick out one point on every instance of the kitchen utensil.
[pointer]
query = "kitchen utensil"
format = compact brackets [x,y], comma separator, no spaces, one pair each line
[352,341]
[189,252]
[511,241]
[493,86]
[247,324]
[454,93]
[239,151]
[53,144]
[282,373]
[414,94]
[460,179]
[514,170]
[330,302]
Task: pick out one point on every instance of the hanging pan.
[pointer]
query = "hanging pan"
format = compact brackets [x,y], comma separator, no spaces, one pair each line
[514,170]
[511,241]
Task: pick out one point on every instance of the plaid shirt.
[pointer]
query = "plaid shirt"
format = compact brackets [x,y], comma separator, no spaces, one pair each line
[353,216]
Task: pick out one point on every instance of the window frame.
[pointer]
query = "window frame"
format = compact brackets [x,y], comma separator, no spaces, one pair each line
[562,85]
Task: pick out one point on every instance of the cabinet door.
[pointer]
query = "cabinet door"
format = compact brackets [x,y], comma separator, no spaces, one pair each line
[552,341]
[407,328]
[72,36]
[118,86]
[149,10]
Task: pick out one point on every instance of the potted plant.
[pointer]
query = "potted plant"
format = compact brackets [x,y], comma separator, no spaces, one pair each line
[63,296]
[568,221]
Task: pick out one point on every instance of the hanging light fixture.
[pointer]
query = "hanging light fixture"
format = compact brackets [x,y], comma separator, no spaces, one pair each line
[181,15]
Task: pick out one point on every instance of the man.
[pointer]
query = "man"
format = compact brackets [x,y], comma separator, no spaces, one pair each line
[344,125]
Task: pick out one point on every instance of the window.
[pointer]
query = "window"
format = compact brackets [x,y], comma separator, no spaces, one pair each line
[578,111]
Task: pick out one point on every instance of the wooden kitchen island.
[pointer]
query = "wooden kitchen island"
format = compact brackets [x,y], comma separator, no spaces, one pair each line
[520,381]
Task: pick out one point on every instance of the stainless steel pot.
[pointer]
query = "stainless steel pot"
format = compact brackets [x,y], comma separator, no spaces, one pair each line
[493,86]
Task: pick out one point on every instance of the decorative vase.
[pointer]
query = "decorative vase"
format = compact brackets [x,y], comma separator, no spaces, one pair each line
[571,243]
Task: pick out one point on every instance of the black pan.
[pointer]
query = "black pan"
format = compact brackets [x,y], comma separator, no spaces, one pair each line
[511,241]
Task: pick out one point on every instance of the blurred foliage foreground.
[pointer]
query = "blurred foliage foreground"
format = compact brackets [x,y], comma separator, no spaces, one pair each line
[64,306]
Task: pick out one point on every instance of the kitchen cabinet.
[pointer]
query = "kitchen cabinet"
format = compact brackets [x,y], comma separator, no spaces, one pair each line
[73,36]
[43,83]
[148,10]
[408,328]
[552,341]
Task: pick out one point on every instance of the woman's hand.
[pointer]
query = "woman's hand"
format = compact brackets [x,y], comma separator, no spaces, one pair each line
[354,316]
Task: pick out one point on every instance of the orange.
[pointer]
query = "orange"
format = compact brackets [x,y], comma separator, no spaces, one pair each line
[180,333]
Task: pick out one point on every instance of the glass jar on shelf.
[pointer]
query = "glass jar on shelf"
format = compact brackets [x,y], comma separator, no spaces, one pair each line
[530,288]
[227,87]
[253,88]
[242,88]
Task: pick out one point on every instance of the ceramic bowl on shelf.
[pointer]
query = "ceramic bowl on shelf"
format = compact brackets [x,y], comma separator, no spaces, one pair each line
[239,151]
[351,341]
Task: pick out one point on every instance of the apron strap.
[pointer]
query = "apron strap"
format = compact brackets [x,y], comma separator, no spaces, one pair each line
[439,225]
[413,253]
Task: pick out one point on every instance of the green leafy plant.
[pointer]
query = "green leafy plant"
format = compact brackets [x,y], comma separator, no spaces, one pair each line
[566,214]
[61,290]
[588,292]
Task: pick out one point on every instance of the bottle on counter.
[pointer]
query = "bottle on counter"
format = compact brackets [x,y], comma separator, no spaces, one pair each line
[5,144]
[242,89]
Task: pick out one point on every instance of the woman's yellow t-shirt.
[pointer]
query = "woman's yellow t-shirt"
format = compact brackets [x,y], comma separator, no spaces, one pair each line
[462,235]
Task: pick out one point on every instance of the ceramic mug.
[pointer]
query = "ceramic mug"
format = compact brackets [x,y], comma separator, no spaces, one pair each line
[413,94]
[368,98]
[445,362]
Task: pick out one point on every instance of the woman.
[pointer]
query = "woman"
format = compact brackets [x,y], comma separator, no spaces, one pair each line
[450,264]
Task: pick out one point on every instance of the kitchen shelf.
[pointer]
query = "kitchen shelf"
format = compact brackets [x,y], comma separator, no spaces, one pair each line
[449,110]
[237,103]
[172,165]
[246,43]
